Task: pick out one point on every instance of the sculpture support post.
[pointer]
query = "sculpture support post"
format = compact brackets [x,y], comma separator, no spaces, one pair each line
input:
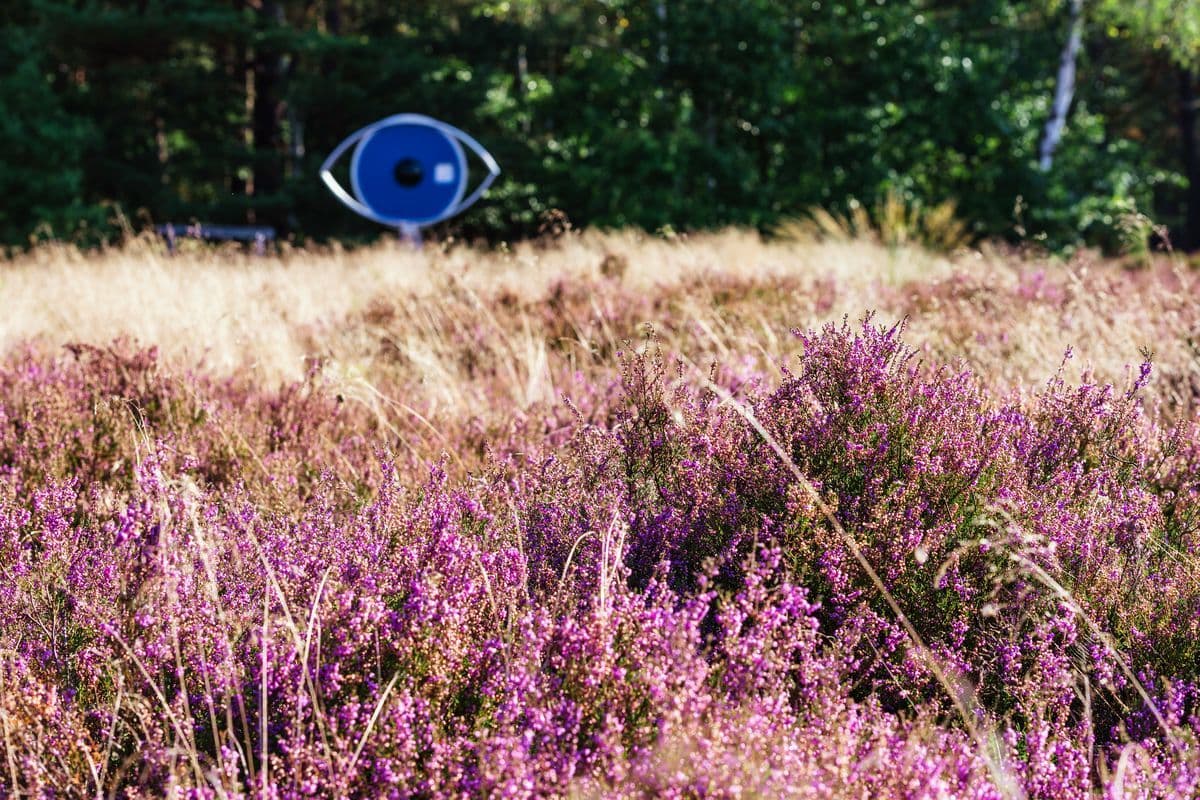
[411,234]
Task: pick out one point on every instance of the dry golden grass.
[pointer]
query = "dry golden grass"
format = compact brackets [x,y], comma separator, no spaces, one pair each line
[439,320]
[233,310]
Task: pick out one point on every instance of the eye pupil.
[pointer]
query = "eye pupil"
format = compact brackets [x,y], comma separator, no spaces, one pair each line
[408,172]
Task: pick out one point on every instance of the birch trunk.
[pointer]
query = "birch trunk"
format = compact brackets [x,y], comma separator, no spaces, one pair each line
[1064,88]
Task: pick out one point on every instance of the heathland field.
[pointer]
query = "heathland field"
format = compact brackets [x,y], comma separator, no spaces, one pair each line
[603,516]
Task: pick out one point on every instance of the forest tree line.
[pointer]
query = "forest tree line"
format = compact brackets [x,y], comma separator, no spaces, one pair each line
[680,114]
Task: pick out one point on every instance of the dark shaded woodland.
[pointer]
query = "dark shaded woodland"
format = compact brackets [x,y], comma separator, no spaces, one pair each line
[656,113]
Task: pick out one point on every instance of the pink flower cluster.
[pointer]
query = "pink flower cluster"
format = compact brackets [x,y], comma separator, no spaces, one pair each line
[874,578]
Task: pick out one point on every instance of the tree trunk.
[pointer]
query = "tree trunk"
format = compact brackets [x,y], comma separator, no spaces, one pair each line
[333,26]
[522,79]
[333,17]
[235,59]
[1190,240]
[664,52]
[267,113]
[1064,88]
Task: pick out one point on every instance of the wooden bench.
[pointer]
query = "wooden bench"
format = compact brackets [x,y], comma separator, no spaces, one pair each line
[222,233]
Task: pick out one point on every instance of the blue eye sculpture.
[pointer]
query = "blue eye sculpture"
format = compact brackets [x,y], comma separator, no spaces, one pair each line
[408,171]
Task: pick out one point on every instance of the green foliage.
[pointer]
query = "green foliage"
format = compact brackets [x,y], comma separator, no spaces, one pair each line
[1169,25]
[655,113]
[42,174]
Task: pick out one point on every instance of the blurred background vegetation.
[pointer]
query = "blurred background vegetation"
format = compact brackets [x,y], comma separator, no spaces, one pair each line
[663,114]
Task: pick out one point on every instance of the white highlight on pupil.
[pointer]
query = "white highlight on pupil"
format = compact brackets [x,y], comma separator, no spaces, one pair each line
[443,173]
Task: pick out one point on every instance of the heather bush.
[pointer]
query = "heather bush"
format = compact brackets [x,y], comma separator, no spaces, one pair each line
[861,571]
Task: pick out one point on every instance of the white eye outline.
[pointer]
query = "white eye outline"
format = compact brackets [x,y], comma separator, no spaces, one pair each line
[456,137]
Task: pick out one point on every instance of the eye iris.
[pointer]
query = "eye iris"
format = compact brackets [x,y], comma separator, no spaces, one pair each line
[408,172]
